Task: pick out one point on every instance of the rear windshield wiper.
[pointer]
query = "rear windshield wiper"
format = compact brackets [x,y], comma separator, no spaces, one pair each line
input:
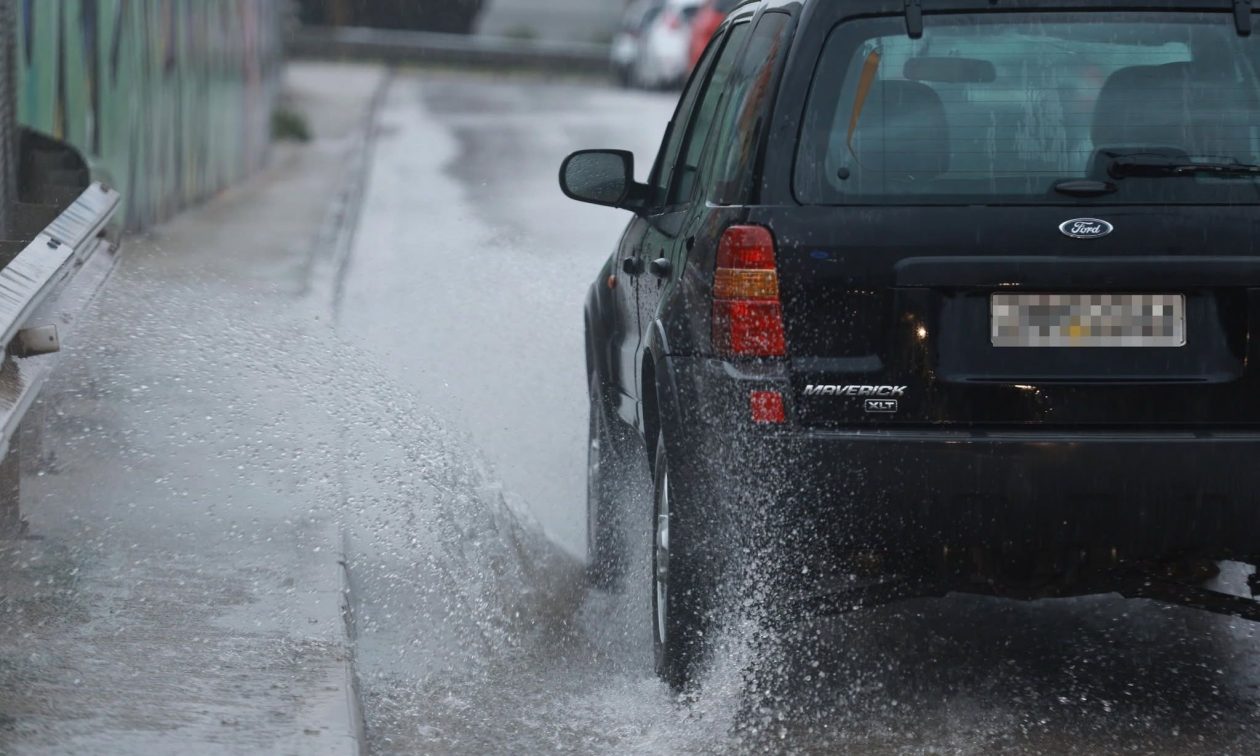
[1154,166]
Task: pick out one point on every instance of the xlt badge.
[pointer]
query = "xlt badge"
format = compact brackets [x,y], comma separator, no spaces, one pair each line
[873,391]
[881,406]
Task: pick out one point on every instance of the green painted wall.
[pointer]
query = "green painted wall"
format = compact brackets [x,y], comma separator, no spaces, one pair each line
[169,100]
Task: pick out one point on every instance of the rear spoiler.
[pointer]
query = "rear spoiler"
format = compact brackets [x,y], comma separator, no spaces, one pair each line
[914,17]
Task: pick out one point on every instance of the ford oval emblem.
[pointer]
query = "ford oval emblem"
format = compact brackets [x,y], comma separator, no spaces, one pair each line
[1086,228]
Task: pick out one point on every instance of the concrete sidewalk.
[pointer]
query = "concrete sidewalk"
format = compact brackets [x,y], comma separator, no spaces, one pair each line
[184,592]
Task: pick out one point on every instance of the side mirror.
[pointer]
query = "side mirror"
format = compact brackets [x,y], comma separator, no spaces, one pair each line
[601,177]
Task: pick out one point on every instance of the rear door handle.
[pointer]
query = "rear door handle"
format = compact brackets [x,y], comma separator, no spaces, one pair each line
[632,266]
[661,267]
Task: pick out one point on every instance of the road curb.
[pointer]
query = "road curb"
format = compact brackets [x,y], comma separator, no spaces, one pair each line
[330,722]
[353,691]
[333,245]
[335,238]
[344,719]
[354,698]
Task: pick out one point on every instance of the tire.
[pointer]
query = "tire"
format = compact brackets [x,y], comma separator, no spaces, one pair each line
[679,606]
[605,474]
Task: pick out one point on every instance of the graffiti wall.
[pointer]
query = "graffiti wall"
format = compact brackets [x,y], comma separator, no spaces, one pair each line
[169,100]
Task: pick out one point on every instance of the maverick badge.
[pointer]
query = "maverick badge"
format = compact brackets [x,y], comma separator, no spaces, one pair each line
[882,392]
[882,400]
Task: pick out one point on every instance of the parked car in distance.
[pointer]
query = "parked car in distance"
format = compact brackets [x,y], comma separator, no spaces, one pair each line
[708,19]
[665,61]
[627,44]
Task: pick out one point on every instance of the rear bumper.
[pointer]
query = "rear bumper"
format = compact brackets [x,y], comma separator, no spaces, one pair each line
[1145,494]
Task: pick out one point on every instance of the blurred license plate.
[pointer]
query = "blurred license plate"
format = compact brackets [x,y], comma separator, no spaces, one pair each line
[1088,320]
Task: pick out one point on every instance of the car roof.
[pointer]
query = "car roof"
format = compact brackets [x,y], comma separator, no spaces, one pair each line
[830,11]
[893,7]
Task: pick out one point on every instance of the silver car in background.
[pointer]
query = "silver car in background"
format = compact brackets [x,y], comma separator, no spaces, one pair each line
[665,55]
[627,44]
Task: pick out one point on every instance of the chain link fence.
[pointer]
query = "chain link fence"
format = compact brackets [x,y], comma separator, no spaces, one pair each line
[8,118]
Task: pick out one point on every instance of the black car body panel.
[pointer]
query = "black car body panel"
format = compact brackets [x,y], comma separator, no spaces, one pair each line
[1145,494]
[1142,450]
[897,311]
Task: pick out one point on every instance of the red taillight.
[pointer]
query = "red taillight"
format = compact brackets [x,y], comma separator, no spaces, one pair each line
[767,407]
[747,315]
[748,329]
[746,248]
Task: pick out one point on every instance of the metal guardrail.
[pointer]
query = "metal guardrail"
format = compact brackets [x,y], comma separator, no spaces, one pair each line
[398,46]
[44,288]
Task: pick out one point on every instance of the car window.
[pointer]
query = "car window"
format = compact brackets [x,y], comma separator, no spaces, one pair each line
[700,126]
[1003,107]
[667,158]
[746,108]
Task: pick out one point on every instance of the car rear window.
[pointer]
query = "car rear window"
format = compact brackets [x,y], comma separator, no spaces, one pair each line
[1001,108]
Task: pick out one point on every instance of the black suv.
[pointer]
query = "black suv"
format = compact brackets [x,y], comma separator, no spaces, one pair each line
[925,296]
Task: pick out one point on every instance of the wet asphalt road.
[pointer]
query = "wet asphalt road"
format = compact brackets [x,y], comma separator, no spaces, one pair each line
[466,283]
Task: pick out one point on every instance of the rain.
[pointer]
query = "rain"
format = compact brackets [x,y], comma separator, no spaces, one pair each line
[308,473]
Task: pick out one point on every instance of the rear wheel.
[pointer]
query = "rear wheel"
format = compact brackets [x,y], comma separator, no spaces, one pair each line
[625,76]
[678,605]
[604,464]
[639,78]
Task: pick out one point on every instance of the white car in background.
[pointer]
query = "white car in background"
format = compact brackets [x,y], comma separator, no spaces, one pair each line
[665,51]
[628,42]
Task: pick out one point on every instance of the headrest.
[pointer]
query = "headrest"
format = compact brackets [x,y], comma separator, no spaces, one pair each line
[1173,105]
[902,131]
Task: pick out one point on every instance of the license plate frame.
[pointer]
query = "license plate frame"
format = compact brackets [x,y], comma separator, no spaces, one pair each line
[1058,320]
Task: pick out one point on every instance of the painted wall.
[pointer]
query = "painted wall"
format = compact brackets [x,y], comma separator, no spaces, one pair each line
[169,100]
[8,122]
